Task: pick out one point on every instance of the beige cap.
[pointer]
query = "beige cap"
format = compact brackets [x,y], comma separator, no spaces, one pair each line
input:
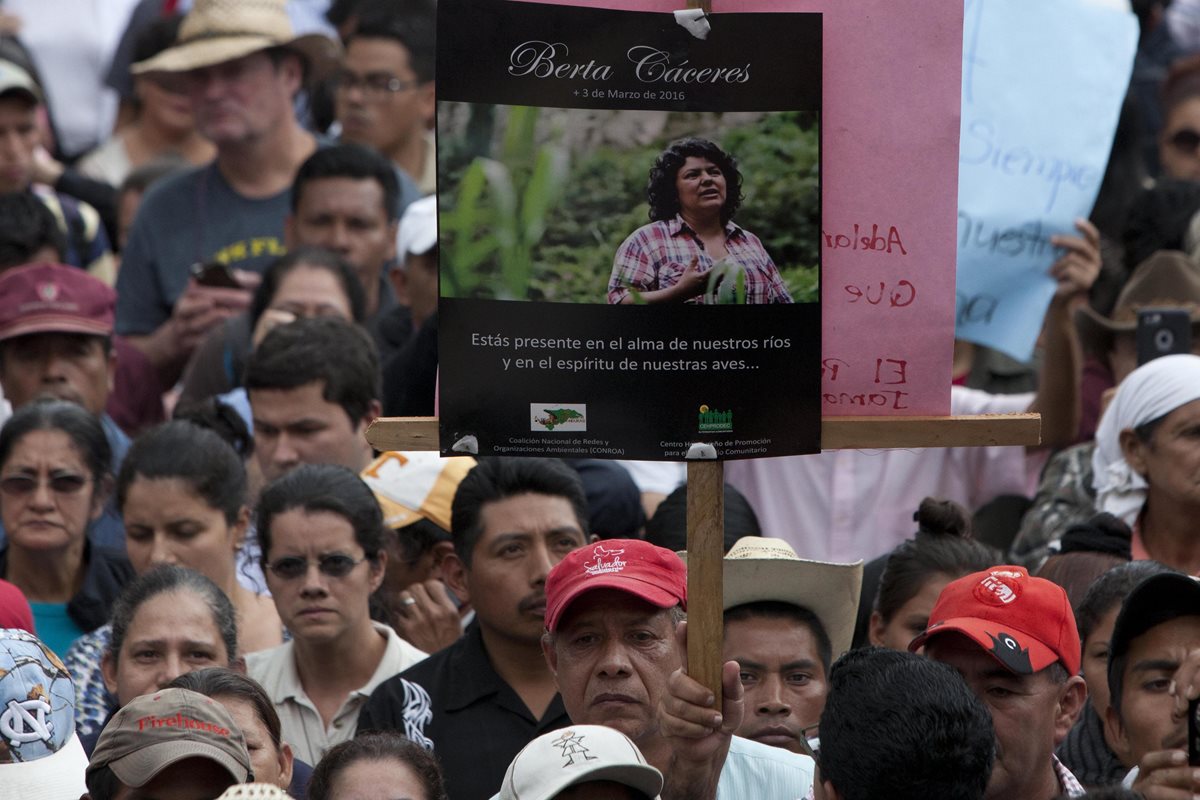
[156,730]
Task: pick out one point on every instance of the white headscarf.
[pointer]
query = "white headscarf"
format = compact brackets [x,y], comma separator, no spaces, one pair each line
[1151,391]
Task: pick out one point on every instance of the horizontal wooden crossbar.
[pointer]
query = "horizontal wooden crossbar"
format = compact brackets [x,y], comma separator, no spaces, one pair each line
[837,433]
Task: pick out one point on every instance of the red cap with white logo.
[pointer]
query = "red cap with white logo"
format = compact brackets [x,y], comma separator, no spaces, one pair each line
[1026,623]
[654,574]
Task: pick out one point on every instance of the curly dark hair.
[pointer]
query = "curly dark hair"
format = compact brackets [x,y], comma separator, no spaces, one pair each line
[660,189]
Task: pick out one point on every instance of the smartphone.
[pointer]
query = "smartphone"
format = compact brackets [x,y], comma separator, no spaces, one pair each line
[1163,332]
[1193,733]
[215,274]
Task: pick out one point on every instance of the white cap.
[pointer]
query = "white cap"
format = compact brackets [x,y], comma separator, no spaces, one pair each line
[418,229]
[579,754]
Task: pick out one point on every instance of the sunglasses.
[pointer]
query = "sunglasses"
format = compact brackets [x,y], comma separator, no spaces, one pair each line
[1185,140]
[335,565]
[59,482]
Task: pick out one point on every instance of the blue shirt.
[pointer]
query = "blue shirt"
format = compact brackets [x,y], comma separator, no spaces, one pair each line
[54,627]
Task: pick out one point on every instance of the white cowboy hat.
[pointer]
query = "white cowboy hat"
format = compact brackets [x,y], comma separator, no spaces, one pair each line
[216,31]
[758,569]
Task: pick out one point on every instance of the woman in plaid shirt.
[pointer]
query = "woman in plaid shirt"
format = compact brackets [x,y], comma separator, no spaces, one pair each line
[692,251]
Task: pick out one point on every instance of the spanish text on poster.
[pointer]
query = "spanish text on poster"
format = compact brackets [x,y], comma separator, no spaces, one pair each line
[1042,88]
[629,222]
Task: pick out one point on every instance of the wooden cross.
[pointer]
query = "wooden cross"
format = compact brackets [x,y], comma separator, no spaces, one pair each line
[706,498]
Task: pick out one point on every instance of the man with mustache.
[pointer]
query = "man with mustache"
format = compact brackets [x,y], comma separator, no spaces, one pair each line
[479,701]
[1153,658]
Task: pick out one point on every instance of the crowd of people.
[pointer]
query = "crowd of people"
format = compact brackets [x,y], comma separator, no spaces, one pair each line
[218,266]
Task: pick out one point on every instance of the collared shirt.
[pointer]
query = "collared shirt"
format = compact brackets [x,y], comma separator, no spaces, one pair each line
[843,505]
[455,704]
[655,256]
[303,729]
[759,771]
[1067,782]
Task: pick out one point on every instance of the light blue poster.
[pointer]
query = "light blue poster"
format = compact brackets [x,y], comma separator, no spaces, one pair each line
[1043,82]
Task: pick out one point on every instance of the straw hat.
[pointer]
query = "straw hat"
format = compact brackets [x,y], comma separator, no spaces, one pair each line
[1167,279]
[758,568]
[216,31]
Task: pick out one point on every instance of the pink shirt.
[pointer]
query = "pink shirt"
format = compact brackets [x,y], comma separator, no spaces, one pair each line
[843,505]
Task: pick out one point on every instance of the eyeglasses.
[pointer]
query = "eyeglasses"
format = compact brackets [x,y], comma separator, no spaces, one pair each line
[59,482]
[1185,140]
[334,565]
[378,84]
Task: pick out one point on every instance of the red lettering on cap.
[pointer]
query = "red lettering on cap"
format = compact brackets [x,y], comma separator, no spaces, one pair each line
[995,590]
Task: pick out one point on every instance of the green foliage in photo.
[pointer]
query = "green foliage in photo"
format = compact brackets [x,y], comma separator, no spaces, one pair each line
[535,223]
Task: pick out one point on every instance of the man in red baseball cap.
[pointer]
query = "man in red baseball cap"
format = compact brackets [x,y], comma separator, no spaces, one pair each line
[612,610]
[1014,640]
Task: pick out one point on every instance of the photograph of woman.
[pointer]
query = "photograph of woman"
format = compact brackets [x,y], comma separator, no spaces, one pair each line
[692,251]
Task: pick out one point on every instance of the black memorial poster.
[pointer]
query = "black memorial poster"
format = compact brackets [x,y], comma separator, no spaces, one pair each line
[629,221]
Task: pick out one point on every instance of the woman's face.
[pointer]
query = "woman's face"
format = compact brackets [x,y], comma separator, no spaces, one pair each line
[912,618]
[386,779]
[1170,461]
[165,103]
[701,188]
[316,607]
[311,292]
[1095,660]
[1178,148]
[171,633]
[271,764]
[47,493]
[168,523]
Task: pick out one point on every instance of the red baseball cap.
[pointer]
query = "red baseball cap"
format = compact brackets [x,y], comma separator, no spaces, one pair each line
[1026,623]
[14,608]
[655,574]
[54,298]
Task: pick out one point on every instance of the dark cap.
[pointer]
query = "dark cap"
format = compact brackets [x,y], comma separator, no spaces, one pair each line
[1158,599]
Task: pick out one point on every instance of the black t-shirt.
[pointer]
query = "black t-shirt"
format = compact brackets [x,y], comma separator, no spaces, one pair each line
[455,704]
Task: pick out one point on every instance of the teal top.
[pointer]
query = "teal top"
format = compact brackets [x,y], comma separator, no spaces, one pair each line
[54,627]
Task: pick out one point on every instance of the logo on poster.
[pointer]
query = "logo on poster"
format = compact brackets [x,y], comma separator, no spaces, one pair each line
[713,421]
[558,416]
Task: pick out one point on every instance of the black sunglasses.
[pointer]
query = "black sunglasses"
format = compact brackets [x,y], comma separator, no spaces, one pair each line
[60,483]
[334,565]
[1185,140]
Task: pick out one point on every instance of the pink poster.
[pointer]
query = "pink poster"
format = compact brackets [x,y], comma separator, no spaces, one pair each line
[892,88]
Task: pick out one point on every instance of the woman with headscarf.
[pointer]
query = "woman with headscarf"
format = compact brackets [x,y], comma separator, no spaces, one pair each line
[692,251]
[1147,460]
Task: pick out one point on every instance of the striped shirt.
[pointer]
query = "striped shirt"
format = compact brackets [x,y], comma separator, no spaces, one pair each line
[655,256]
[755,771]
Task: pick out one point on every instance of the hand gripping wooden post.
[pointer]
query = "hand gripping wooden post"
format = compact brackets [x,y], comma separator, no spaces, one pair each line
[705,580]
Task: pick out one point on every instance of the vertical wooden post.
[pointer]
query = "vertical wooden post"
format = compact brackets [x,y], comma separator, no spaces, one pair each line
[706,553]
[706,5]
